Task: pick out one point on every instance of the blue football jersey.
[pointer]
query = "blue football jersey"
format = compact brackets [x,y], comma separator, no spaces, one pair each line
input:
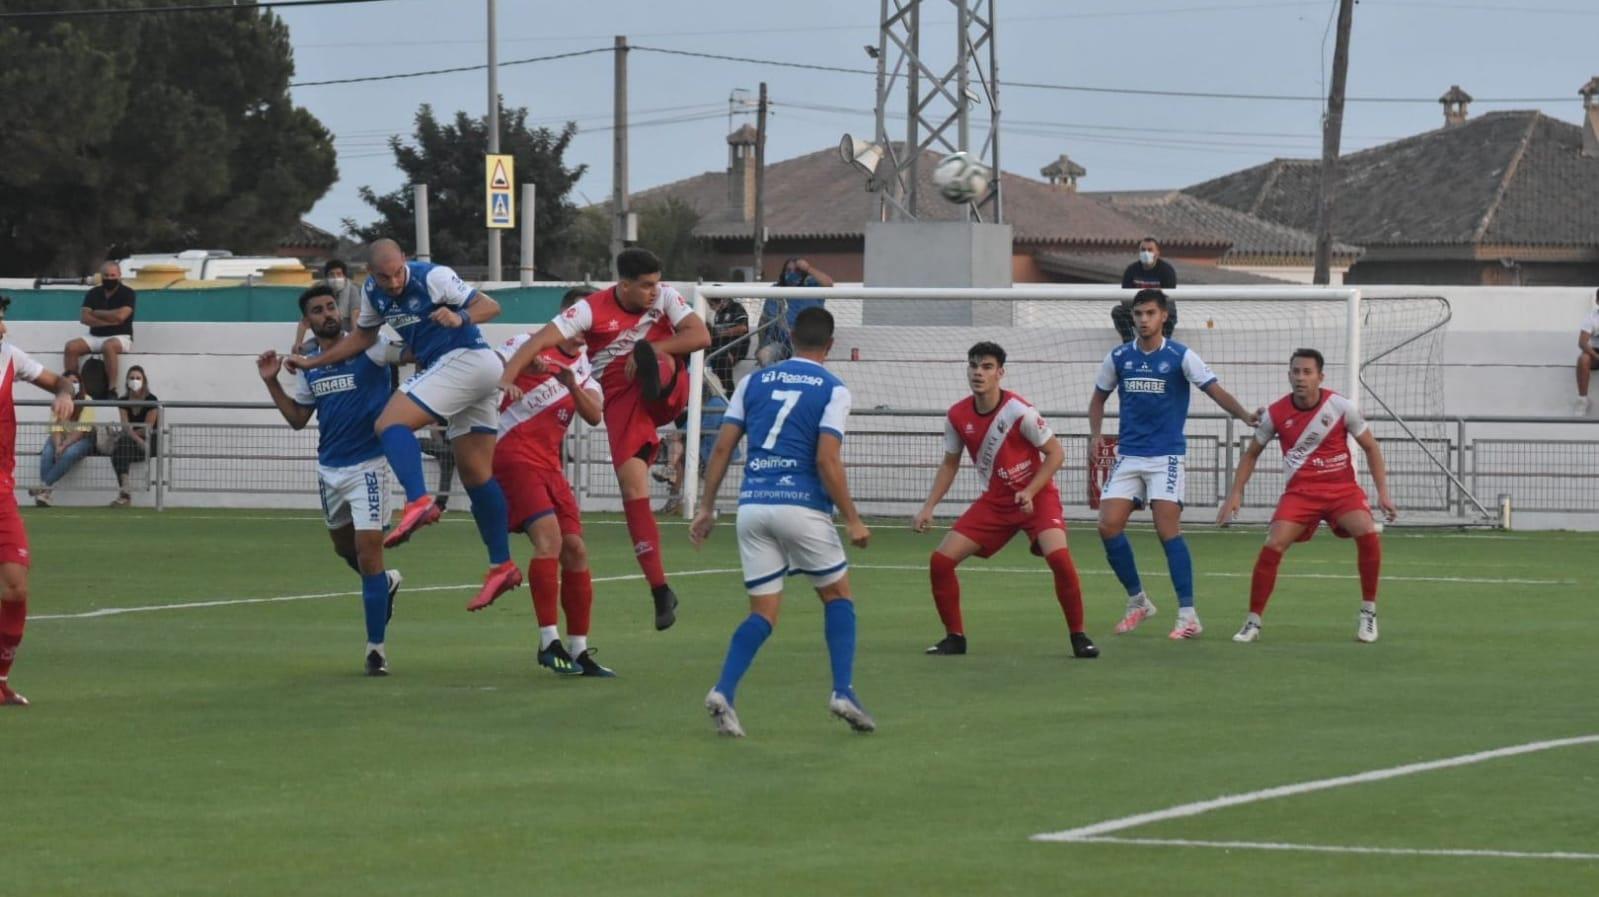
[1153,390]
[348,398]
[427,286]
[784,410]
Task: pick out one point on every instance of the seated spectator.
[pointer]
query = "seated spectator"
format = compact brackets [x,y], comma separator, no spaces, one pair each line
[108,313]
[1587,357]
[778,316]
[730,323]
[137,441]
[1150,272]
[70,441]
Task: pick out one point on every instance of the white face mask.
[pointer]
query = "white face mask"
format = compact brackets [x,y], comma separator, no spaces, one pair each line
[1145,256]
[135,384]
[74,389]
[337,282]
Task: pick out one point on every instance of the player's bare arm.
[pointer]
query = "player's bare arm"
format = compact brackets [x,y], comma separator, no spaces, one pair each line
[1379,474]
[1096,421]
[715,470]
[1232,406]
[830,469]
[1235,496]
[589,405]
[548,337]
[353,343]
[942,480]
[51,382]
[1054,457]
[267,365]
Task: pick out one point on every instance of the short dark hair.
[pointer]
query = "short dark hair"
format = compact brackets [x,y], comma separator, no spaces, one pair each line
[1155,296]
[986,349]
[1149,240]
[1312,354]
[635,262]
[813,328]
[570,298]
[330,264]
[315,292]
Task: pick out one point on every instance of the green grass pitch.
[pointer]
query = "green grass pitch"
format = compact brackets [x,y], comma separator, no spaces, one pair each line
[236,749]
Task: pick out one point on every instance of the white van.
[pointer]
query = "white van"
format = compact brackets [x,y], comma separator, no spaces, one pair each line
[208,264]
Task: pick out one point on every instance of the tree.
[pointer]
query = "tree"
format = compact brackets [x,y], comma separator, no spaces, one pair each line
[151,133]
[666,228]
[448,158]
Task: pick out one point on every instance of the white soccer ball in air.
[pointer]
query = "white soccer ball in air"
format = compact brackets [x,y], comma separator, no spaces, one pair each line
[961,178]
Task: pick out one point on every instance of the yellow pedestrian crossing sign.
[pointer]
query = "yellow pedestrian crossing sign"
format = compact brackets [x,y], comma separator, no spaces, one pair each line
[499,176]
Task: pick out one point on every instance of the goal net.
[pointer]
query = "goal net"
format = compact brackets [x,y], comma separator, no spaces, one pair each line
[903,355]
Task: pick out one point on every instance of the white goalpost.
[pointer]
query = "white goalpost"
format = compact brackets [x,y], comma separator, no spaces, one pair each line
[902,352]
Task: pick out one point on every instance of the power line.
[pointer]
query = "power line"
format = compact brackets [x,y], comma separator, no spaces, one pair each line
[154,10]
[460,68]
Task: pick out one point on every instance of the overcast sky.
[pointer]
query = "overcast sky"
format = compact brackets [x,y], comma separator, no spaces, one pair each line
[1540,50]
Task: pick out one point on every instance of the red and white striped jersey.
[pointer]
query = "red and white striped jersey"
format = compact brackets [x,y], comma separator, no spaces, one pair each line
[1005,443]
[1315,443]
[532,427]
[611,331]
[15,365]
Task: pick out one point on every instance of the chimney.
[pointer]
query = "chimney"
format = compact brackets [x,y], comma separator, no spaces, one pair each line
[1590,118]
[1063,173]
[741,172]
[1455,102]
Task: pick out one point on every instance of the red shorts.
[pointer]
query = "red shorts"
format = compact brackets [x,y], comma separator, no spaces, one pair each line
[534,492]
[1310,505]
[631,424]
[13,537]
[991,523]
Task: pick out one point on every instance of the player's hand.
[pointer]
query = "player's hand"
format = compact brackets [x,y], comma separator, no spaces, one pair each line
[1253,418]
[267,364]
[1025,502]
[447,317]
[294,364]
[1228,510]
[1390,511]
[566,377]
[922,520]
[700,529]
[1096,447]
[858,534]
[62,406]
[511,392]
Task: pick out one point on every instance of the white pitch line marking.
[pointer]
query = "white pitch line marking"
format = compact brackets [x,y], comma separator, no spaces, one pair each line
[230,602]
[1098,831]
[1334,848]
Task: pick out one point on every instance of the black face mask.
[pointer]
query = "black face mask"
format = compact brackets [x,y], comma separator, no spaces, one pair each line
[108,283]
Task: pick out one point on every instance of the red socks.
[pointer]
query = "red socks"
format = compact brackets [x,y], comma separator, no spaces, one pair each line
[543,581]
[646,538]
[1368,551]
[577,600]
[946,593]
[13,616]
[1068,590]
[1264,579]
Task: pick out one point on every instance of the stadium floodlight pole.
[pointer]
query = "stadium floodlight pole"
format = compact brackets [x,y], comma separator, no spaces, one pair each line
[690,488]
[494,133]
[529,193]
[1332,133]
[419,210]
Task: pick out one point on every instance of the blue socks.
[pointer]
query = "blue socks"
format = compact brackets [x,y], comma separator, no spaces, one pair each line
[1181,565]
[1119,552]
[747,639]
[404,454]
[489,510]
[839,617]
[375,599]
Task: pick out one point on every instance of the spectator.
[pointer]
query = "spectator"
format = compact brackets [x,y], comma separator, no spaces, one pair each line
[729,325]
[70,441]
[1150,272]
[1588,360]
[108,313]
[346,292]
[137,441]
[797,272]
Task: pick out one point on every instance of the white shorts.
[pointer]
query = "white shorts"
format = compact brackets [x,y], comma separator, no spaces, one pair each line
[461,389]
[1143,480]
[97,343]
[783,540]
[356,495]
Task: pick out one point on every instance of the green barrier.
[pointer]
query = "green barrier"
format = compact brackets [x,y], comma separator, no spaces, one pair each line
[250,304]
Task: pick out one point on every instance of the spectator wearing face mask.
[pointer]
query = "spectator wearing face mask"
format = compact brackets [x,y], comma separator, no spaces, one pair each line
[71,439]
[108,313]
[775,345]
[346,293]
[1150,272]
[137,441]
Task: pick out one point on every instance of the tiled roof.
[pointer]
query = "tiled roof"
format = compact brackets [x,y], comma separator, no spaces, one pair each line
[1252,237]
[1516,177]
[307,234]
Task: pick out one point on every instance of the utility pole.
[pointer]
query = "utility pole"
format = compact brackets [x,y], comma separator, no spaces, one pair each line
[620,228]
[760,184]
[494,134]
[1331,134]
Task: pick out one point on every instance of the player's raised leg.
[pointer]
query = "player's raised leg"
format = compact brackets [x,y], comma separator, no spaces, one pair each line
[1051,544]
[474,459]
[396,429]
[13,619]
[1180,564]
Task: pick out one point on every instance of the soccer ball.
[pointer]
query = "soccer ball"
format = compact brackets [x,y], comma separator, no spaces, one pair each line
[960,178]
